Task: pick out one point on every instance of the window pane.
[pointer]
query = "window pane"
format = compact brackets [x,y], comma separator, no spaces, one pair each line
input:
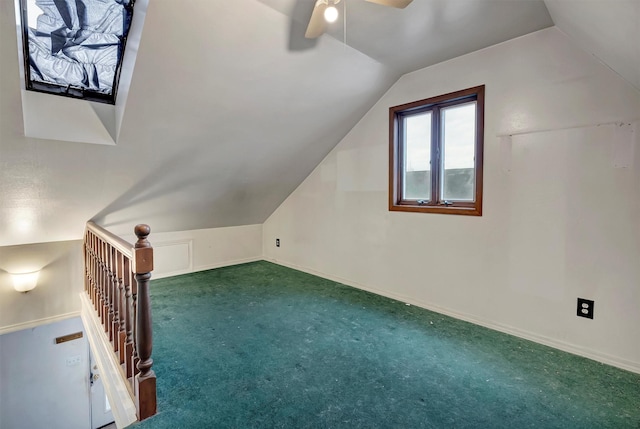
[33,12]
[458,155]
[417,157]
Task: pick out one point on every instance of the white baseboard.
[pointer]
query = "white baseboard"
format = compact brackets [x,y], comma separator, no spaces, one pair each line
[35,323]
[560,345]
[115,386]
[227,263]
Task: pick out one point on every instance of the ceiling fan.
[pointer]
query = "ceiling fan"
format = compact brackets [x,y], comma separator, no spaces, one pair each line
[325,11]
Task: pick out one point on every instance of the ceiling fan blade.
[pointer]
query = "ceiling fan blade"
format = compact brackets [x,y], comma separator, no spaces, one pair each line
[400,4]
[317,24]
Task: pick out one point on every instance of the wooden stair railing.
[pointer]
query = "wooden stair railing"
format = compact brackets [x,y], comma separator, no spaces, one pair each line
[117,281]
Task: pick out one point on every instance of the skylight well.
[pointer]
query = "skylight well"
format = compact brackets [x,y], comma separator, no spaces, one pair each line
[74,48]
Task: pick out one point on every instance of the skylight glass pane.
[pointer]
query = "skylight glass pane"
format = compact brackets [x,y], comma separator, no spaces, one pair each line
[417,157]
[75,46]
[459,152]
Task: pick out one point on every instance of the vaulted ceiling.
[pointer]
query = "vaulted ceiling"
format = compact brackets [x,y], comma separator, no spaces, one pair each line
[230,108]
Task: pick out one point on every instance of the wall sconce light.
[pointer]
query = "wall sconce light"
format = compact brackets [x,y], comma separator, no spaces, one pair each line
[24,282]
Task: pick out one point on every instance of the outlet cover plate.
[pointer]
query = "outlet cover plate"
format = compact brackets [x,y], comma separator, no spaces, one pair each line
[585,308]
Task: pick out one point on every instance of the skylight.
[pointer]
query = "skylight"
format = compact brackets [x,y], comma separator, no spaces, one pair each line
[74,48]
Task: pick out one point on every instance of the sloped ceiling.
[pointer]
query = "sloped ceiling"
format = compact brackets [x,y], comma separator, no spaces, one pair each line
[229,109]
[610,30]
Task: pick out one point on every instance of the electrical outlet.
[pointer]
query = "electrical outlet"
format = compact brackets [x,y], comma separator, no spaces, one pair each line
[585,308]
[74,360]
[277,242]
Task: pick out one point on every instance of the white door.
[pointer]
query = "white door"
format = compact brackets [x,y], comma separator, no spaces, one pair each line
[100,409]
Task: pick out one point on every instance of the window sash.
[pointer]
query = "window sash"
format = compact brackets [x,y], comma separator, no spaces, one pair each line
[444,149]
[426,191]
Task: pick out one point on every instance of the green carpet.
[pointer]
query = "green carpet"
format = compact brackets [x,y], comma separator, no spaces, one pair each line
[263,346]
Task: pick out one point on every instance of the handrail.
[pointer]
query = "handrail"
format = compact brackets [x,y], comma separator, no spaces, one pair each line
[117,281]
[117,242]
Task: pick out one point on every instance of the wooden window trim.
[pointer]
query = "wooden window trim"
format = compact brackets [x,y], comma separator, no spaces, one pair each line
[473,208]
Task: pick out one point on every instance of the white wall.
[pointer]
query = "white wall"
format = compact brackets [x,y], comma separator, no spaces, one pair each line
[59,284]
[561,199]
[203,249]
[38,386]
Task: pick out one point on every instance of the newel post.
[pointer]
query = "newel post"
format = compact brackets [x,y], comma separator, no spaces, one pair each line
[145,380]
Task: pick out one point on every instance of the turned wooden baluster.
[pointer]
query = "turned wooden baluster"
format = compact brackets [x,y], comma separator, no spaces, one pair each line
[116,299]
[103,284]
[112,296]
[98,278]
[145,381]
[109,308]
[129,345]
[96,273]
[107,287]
[134,318]
[122,335]
[111,293]
[85,261]
[93,268]
[115,326]
[100,281]
[89,266]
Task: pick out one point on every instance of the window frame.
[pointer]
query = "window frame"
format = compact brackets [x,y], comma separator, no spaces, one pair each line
[396,154]
[69,90]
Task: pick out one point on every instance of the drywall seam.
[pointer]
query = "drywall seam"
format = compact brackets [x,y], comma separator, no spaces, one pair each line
[628,121]
[560,345]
